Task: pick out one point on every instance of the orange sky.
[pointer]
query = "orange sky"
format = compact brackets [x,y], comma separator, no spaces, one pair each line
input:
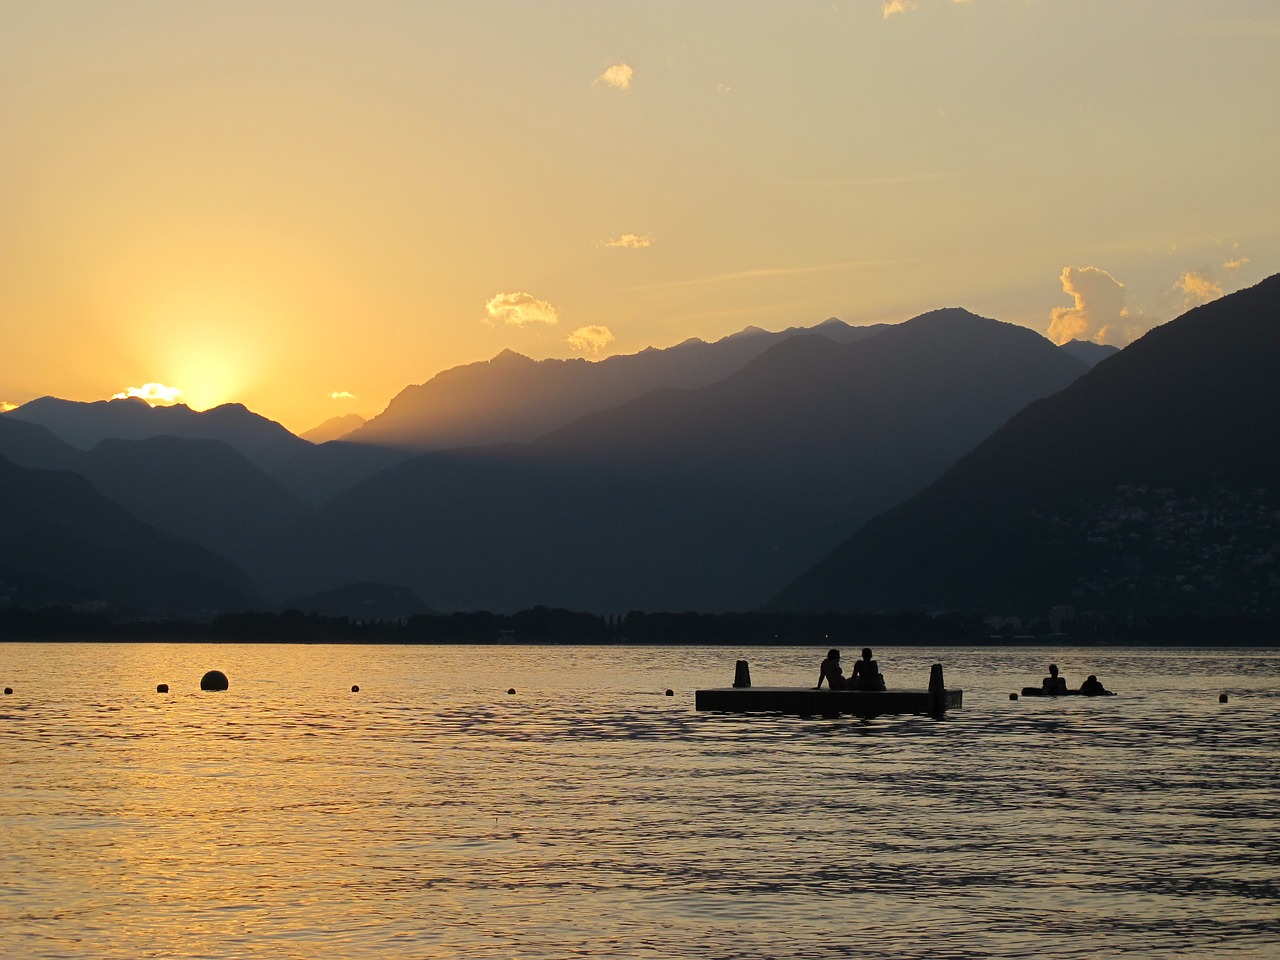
[307,207]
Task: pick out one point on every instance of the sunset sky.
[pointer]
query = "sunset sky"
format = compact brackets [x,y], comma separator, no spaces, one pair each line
[305,206]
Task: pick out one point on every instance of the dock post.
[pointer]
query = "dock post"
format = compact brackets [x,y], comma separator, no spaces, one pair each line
[742,674]
[937,691]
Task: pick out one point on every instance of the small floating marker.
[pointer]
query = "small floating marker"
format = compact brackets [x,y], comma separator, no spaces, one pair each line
[8,690]
[1222,697]
[355,688]
[214,680]
[162,688]
[742,674]
[511,691]
[671,693]
[1013,696]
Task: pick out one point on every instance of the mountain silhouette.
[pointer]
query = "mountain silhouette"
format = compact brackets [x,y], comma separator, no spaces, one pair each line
[698,499]
[1088,351]
[263,442]
[202,491]
[55,529]
[31,445]
[1150,485]
[335,428]
[512,397]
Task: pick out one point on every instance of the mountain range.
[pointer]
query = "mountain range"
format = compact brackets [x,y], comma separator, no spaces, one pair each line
[701,477]
[1150,485]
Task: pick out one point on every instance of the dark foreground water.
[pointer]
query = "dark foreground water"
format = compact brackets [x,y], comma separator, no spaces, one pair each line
[434,815]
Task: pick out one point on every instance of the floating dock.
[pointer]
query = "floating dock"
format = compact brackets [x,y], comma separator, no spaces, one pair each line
[808,702]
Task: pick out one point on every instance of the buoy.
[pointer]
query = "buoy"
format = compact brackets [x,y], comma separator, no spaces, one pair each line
[671,693]
[741,674]
[214,680]
[511,691]
[1222,697]
[355,688]
[8,690]
[1013,696]
[162,688]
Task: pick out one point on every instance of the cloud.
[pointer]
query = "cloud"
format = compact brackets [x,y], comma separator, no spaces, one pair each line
[631,241]
[341,395]
[1098,313]
[723,88]
[1197,287]
[590,339]
[891,7]
[1231,266]
[155,394]
[618,76]
[519,310]
[5,407]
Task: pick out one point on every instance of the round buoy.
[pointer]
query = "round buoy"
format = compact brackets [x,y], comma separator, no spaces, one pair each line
[355,688]
[214,680]
[8,690]
[1222,697]
[162,688]
[671,693]
[511,691]
[1013,696]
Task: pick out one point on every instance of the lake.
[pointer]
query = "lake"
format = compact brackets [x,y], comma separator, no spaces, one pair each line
[432,814]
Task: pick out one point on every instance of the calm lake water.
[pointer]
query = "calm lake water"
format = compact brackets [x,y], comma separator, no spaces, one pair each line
[434,815]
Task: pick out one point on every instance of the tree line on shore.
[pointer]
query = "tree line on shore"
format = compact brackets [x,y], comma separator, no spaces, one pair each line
[550,625]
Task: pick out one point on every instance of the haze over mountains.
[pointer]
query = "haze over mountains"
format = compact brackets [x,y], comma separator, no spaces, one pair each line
[702,477]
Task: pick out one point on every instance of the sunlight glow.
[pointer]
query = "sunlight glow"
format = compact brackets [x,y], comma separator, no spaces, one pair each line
[156,394]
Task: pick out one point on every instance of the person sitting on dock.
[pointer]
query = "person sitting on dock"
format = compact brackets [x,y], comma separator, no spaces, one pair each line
[1093,687]
[866,673]
[831,671]
[1053,684]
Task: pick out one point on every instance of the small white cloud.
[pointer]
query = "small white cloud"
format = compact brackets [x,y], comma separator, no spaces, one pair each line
[631,241]
[723,88]
[1231,266]
[618,76]
[590,339]
[519,310]
[890,7]
[341,395]
[1197,287]
[156,394]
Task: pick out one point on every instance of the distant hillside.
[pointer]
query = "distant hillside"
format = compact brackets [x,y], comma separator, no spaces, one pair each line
[514,398]
[31,445]
[263,442]
[202,491]
[60,536]
[1151,485]
[1088,351]
[699,499]
[335,428]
